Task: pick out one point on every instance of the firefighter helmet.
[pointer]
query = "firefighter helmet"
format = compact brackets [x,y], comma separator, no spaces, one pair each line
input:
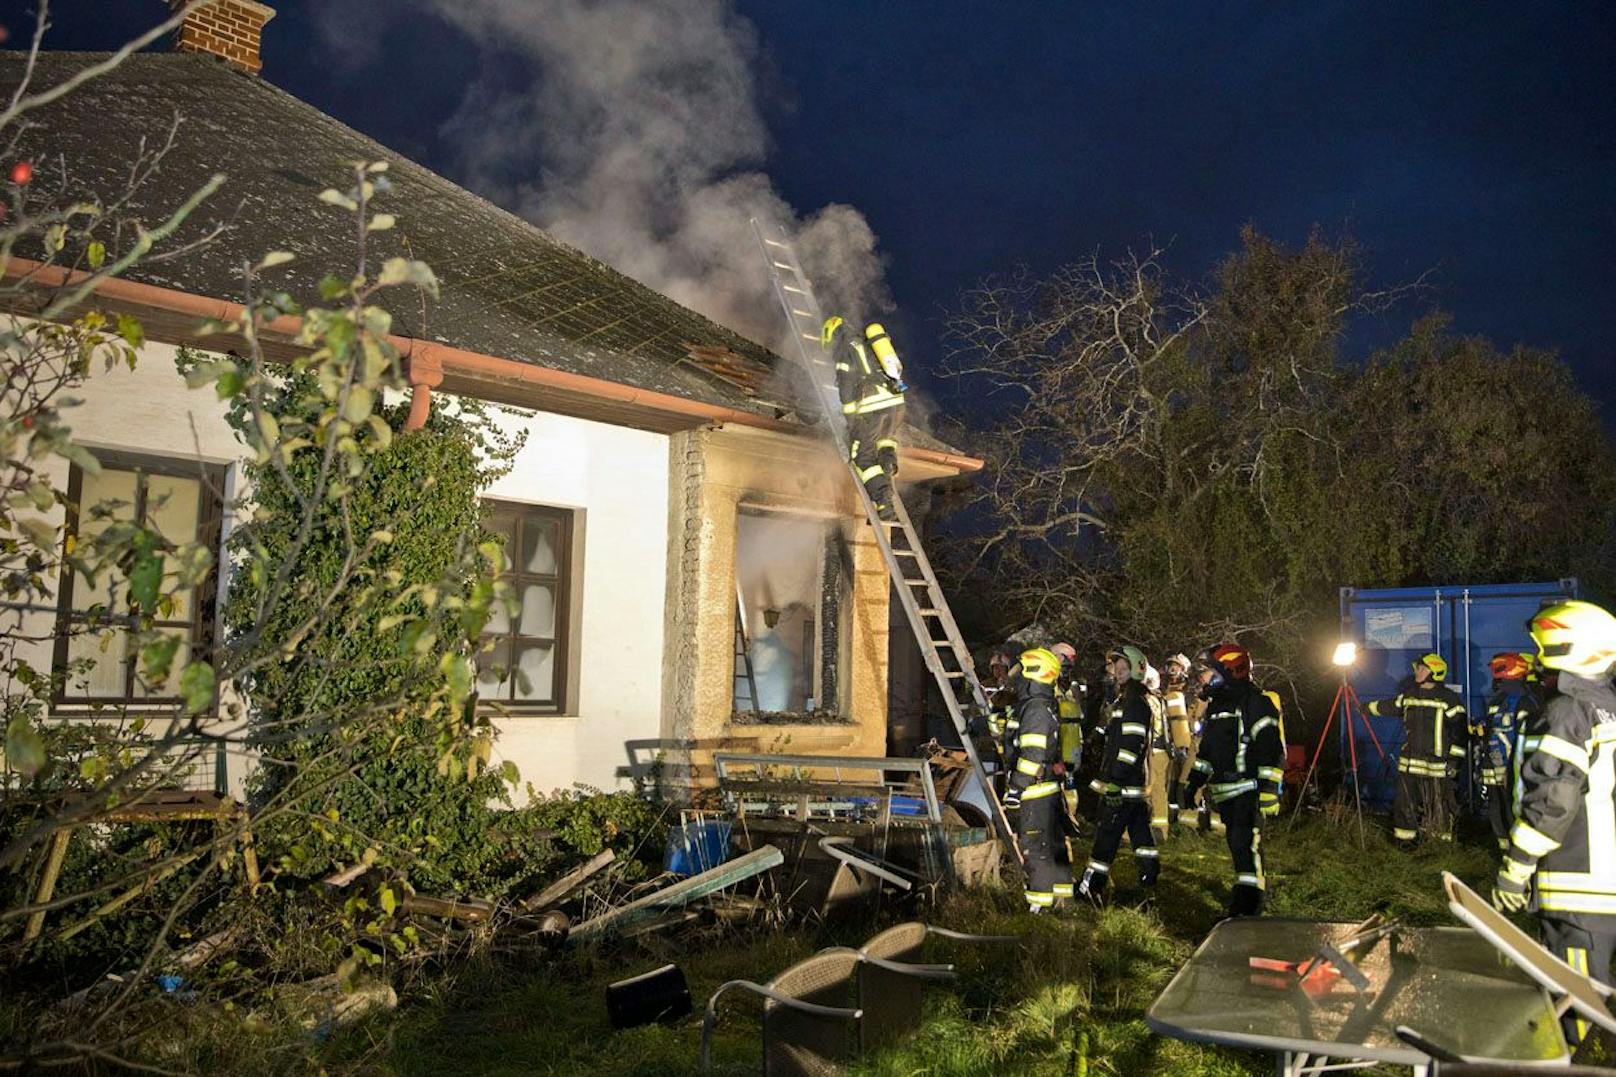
[1137,663]
[1181,661]
[827,332]
[1228,661]
[1040,664]
[1575,637]
[1509,666]
[1065,652]
[1433,662]
[1152,678]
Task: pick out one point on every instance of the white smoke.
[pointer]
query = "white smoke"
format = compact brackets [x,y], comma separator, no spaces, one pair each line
[632,130]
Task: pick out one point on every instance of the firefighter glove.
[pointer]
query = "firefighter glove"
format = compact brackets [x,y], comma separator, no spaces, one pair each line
[1509,900]
[1112,800]
[1012,800]
[1268,804]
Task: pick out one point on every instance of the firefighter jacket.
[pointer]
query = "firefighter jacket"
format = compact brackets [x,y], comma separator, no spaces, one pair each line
[864,386]
[1178,717]
[1434,723]
[1240,750]
[1037,741]
[1125,761]
[1509,709]
[1159,739]
[1564,837]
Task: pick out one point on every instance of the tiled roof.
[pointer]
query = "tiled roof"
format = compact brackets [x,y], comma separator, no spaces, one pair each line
[509,289]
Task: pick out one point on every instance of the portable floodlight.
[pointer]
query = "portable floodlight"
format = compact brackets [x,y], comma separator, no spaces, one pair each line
[1346,654]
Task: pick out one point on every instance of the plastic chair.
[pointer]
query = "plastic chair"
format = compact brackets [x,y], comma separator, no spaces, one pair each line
[807,1022]
[892,979]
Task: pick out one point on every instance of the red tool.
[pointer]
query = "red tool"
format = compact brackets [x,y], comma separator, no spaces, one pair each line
[1315,975]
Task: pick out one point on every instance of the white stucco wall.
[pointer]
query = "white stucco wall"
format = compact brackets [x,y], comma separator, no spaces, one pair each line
[618,478]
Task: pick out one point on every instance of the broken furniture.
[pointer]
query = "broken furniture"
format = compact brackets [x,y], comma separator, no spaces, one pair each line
[1445,982]
[675,897]
[848,823]
[659,995]
[151,806]
[822,1011]
[889,991]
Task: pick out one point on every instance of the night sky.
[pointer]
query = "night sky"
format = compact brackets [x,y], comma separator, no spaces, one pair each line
[1477,140]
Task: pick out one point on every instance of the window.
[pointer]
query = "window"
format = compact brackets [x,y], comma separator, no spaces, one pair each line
[523,666]
[180,500]
[791,590]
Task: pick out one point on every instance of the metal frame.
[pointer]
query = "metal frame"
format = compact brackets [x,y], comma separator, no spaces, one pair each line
[805,318]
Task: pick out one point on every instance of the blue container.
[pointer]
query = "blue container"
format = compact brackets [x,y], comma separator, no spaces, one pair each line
[1466,625]
[697,846]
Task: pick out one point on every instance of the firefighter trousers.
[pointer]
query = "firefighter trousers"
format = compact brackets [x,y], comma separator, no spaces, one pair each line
[1499,814]
[1133,818]
[1585,949]
[1243,831]
[873,445]
[1039,832]
[1160,762]
[1424,802]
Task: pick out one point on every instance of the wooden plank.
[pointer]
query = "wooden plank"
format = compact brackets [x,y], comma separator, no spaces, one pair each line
[47,880]
[445,908]
[682,892]
[563,887]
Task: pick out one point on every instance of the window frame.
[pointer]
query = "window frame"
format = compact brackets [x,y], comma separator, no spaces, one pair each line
[203,622]
[561,582]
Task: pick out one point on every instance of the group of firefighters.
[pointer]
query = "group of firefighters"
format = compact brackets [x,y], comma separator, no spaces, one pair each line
[1547,767]
[1205,732]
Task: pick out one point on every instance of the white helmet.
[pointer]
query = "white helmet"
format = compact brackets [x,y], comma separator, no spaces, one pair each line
[1152,678]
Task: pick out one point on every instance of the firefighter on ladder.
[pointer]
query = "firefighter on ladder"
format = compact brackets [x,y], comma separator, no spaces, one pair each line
[1510,708]
[1241,763]
[1434,721]
[1032,791]
[869,379]
[1563,841]
[1123,777]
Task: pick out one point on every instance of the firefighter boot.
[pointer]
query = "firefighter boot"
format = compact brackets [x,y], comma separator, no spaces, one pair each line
[1092,885]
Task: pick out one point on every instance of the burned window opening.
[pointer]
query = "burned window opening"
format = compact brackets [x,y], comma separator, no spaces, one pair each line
[792,576]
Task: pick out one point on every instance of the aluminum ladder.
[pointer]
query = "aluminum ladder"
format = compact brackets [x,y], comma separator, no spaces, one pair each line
[744,670]
[930,619]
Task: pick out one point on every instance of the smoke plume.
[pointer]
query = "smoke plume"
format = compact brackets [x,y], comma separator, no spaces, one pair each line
[632,130]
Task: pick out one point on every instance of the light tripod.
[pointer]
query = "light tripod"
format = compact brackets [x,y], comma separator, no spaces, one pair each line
[1346,706]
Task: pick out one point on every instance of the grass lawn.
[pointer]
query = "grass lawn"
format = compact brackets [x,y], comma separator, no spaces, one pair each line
[1070,1000]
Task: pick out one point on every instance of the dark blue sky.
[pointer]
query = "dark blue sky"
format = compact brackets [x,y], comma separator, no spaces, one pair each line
[1474,139]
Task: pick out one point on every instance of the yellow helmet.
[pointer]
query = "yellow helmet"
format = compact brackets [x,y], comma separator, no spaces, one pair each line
[1040,664]
[1435,663]
[1576,637]
[827,332]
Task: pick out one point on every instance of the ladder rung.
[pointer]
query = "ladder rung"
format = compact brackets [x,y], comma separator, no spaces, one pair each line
[809,336]
[774,243]
[931,613]
[783,265]
[789,288]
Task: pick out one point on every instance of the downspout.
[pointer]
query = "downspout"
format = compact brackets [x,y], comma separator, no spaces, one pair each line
[425,374]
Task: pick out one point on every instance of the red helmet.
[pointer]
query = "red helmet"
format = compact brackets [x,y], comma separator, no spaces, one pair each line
[1229,659]
[1509,666]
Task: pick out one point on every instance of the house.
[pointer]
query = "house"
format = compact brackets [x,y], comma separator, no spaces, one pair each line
[668,502]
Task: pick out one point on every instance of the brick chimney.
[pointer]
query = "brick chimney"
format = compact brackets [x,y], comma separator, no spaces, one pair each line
[228,29]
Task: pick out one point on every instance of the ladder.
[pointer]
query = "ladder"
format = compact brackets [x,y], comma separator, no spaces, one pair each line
[743,655]
[933,625]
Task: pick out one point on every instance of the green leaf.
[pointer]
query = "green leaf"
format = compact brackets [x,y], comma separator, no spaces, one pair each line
[145,572]
[93,769]
[333,197]
[409,271]
[25,748]
[196,686]
[40,533]
[389,900]
[275,258]
[157,658]
[96,253]
[381,222]
[84,458]
[360,403]
[131,331]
